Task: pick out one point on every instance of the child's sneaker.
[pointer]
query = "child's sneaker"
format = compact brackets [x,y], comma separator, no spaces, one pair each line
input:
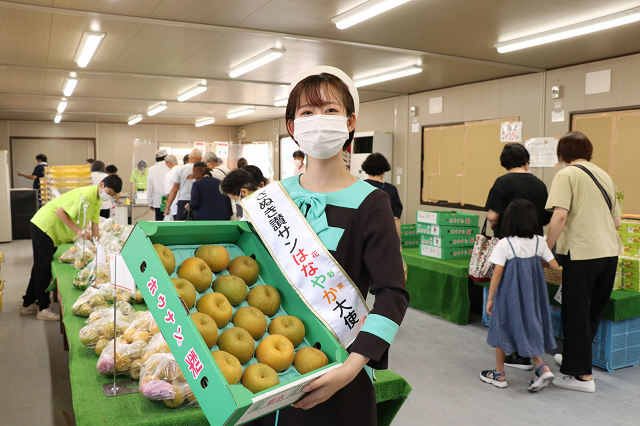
[516,361]
[492,377]
[540,381]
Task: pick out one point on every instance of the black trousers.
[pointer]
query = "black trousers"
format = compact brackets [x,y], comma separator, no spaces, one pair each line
[159,213]
[586,287]
[181,209]
[43,251]
[106,213]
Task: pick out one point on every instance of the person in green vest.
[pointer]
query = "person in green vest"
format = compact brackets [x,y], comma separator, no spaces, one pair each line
[139,177]
[56,223]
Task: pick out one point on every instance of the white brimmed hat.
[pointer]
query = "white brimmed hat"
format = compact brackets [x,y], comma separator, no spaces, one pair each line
[333,71]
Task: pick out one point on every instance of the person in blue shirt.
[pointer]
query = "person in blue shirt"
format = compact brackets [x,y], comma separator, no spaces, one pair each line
[38,172]
[207,202]
[375,166]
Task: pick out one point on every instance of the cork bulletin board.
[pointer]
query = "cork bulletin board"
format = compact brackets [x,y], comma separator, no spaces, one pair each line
[461,162]
[615,137]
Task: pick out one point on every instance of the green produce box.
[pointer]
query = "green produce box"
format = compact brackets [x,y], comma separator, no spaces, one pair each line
[447,241]
[445,253]
[447,218]
[631,275]
[630,238]
[630,227]
[422,228]
[630,285]
[630,263]
[408,230]
[411,243]
[631,248]
[222,404]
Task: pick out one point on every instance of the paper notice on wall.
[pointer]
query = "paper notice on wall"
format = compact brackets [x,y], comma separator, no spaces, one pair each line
[415,127]
[511,132]
[222,149]
[557,116]
[542,152]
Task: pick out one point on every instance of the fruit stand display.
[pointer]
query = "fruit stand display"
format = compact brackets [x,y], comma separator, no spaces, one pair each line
[138,344]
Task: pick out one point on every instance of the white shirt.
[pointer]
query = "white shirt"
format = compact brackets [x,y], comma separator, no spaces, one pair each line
[220,172]
[524,247]
[155,183]
[96,178]
[168,184]
[185,184]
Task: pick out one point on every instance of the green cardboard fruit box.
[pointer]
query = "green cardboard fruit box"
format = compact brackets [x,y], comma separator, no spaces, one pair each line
[411,243]
[630,227]
[630,238]
[630,285]
[630,263]
[631,248]
[631,274]
[448,241]
[447,218]
[222,404]
[445,253]
[408,230]
[422,228]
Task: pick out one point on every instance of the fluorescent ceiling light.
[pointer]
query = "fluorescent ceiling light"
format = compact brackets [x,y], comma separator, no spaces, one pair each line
[57,118]
[159,108]
[281,103]
[88,46]
[241,113]
[365,11]
[575,30]
[135,120]
[402,72]
[205,122]
[69,86]
[255,62]
[192,92]
[62,105]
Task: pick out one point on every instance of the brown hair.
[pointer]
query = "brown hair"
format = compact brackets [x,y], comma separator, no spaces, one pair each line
[574,146]
[312,87]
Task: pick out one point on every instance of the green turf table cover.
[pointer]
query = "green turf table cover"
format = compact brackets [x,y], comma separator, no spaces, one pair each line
[93,408]
[438,287]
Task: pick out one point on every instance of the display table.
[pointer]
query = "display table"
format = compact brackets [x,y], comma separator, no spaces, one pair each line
[92,407]
[438,287]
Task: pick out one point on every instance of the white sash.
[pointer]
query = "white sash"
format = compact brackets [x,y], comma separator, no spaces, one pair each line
[306,263]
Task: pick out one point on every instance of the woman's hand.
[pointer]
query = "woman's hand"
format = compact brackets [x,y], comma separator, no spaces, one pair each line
[325,386]
[187,208]
[489,306]
[83,234]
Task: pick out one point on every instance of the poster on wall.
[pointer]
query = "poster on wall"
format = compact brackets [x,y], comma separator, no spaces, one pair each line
[542,152]
[511,132]
[202,146]
[222,149]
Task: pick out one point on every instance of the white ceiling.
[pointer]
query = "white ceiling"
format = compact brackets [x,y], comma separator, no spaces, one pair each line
[156,49]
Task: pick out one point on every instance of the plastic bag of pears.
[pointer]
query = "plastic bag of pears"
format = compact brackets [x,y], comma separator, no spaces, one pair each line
[69,255]
[84,255]
[162,380]
[122,358]
[89,276]
[100,324]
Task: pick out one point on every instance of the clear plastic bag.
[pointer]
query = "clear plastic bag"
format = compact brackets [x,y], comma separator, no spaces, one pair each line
[91,299]
[124,359]
[89,276]
[110,242]
[85,254]
[139,328]
[162,380]
[100,325]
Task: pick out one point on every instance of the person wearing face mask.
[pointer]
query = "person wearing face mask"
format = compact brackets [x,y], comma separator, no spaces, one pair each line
[585,217]
[237,185]
[207,202]
[139,177]
[56,223]
[354,222]
[97,175]
[181,189]
[298,161]
[155,183]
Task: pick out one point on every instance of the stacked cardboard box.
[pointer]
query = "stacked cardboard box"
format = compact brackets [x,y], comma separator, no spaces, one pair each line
[446,234]
[630,273]
[409,236]
[630,234]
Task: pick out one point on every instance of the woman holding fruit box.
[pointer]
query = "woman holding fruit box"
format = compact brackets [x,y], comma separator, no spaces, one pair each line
[355,223]
[585,217]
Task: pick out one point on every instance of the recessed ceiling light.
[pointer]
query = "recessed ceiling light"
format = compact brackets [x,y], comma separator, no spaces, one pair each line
[255,62]
[69,86]
[281,103]
[599,24]
[241,113]
[62,105]
[192,92]
[157,109]
[87,48]
[135,120]
[365,11]
[205,122]
[402,72]
[57,118]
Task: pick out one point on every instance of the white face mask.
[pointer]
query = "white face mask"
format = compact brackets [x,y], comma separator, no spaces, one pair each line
[297,163]
[104,196]
[321,136]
